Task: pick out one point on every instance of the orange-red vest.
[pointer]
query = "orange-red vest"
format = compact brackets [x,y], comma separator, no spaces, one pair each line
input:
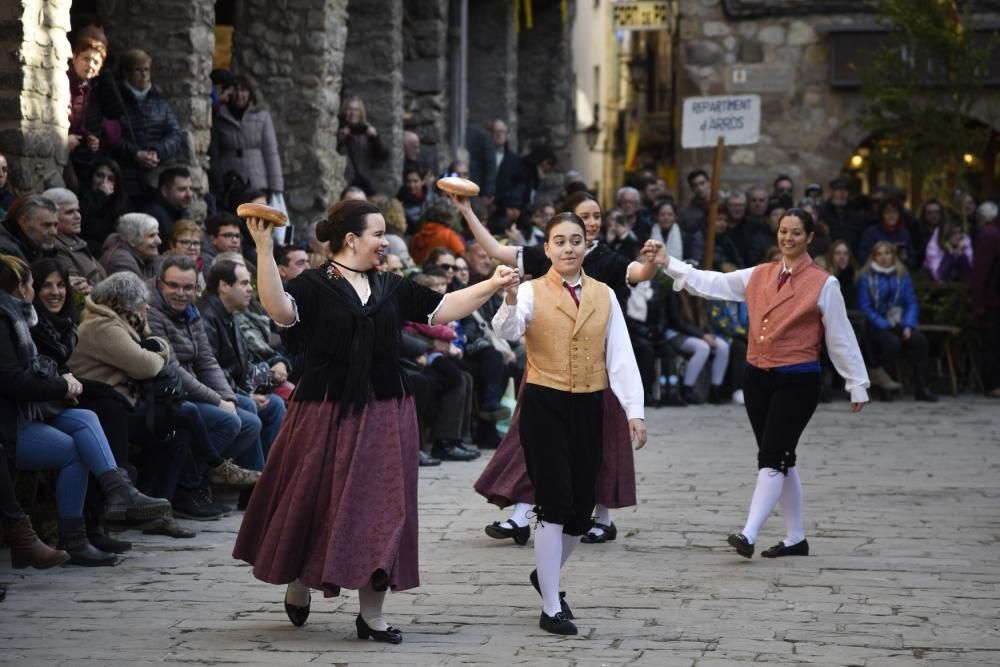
[786,326]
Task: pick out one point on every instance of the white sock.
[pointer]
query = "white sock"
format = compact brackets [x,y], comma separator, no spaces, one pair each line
[765,497]
[520,514]
[297,594]
[569,545]
[548,560]
[601,515]
[371,607]
[791,508]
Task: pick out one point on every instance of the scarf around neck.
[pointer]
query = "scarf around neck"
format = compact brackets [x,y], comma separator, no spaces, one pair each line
[140,95]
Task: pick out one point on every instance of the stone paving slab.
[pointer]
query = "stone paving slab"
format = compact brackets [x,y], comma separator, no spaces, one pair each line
[902,515]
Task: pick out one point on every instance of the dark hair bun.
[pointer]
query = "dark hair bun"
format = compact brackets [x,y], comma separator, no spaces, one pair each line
[344,217]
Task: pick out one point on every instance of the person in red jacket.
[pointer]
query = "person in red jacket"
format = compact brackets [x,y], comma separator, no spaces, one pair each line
[436,232]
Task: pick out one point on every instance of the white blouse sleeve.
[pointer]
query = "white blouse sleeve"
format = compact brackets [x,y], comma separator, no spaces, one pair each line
[623,371]
[709,284]
[510,322]
[841,342]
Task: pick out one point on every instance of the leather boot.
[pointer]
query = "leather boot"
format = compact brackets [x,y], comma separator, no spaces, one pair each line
[880,378]
[73,538]
[26,549]
[124,501]
[920,390]
[98,536]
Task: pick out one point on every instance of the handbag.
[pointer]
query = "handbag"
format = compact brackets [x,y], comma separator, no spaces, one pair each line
[161,394]
[46,367]
[260,378]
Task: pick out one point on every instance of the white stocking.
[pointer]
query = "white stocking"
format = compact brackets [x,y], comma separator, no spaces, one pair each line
[765,497]
[548,559]
[520,514]
[371,607]
[791,508]
[297,594]
[569,545]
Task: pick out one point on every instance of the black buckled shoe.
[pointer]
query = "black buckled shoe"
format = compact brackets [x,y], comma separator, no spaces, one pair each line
[390,635]
[426,459]
[453,451]
[297,615]
[557,625]
[742,545]
[779,550]
[501,531]
[563,605]
[608,534]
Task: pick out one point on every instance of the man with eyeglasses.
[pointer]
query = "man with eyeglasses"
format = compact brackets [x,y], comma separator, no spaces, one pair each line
[235,432]
[223,233]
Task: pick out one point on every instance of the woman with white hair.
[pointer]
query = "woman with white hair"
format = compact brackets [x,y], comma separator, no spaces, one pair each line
[72,251]
[134,247]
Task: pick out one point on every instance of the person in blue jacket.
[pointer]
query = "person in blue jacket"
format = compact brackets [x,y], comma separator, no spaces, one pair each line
[886,296]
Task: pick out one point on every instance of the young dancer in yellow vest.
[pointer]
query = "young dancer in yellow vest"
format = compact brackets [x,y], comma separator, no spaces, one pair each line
[793,305]
[576,344]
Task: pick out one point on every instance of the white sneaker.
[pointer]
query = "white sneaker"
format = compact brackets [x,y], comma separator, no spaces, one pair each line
[738,397]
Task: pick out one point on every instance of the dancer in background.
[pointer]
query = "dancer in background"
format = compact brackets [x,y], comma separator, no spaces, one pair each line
[577,345]
[792,306]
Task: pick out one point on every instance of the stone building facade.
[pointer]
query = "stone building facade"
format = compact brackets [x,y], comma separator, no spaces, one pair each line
[782,50]
[302,56]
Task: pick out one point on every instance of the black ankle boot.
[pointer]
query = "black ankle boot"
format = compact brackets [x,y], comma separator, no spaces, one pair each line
[98,536]
[124,501]
[73,539]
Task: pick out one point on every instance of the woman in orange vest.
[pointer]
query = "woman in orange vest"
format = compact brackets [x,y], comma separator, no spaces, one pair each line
[793,305]
[577,345]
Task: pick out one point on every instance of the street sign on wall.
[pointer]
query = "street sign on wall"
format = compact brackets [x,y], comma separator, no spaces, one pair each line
[641,15]
[735,118]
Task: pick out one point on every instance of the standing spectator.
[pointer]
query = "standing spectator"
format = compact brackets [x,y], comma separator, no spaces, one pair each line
[90,48]
[784,192]
[629,201]
[135,247]
[72,252]
[844,222]
[243,142]
[436,231]
[886,296]
[7,195]
[928,221]
[534,167]
[694,215]
[687,245]
[948,257]
[29,230]
[508,164]
[757,204]
[751,238]
[889,229]
[174,195]
[413,194]
[411,153]
[361,143]
[102,202]
[223,89]
[619,236]
[482,166]
[985,284]
[151,136]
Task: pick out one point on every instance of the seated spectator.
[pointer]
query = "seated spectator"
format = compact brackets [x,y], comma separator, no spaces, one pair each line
[173,199]
[151,136]
[7,194]
[47,432]
[102,202]
[620,236]
[228,292]
[889,229]
[223,234]
[116,348]
[443,259]
[72,251]
[461,280]
[243,142]
[687,245]
[90,48]
[531,224]
[948,257]
[353,192]
[413,195]
[392,264]
[134,247]
[436,231]
[186,239]
[359,141]
[840,264]
[291,261]
[29,230]
[886,297]
[395,226]
[235,431]
[694,339]
[646,322]
[729,322]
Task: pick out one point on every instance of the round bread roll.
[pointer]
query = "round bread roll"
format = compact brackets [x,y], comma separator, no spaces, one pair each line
[266,213]
[458,186]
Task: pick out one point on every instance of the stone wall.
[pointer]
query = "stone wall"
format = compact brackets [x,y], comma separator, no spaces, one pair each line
[492,76]
[545,82]
[178,35]
[373,71]
[294,55]
[34,91]
[425,76]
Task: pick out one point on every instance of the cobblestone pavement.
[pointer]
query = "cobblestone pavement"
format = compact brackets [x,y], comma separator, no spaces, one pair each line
[902,514]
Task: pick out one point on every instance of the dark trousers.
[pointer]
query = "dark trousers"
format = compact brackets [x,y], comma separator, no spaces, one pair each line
[561,437]
[889,344]
[737,362]
[646,354]
[990,328]
[779,406]
[10,509]
[191,455]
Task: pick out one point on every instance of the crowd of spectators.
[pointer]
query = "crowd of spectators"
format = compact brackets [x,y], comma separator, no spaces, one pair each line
[134,350]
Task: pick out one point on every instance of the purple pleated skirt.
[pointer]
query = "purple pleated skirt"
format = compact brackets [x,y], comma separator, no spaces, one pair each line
[336,505]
